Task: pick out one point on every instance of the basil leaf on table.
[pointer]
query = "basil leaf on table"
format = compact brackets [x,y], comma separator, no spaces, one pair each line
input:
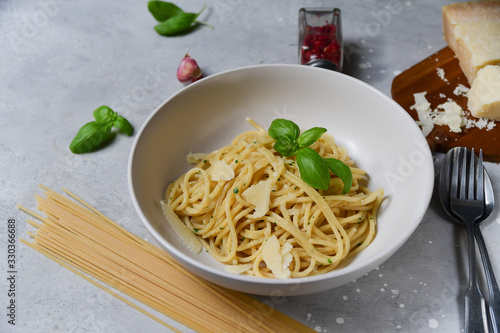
[123,125]
[176,24]
[341,170]
[283,128]
[310,136]
[162,10]
[90,136]
[104,113]
[313,169]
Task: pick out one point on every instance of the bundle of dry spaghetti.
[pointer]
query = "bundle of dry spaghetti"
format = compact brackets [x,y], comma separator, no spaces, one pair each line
[85,241]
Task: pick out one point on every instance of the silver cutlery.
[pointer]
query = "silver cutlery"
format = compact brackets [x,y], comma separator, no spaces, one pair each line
[467,196]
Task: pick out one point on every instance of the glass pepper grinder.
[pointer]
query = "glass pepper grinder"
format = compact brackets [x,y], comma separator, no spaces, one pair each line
[320,38]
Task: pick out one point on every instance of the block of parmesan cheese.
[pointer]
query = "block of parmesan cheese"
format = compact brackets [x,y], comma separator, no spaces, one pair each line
[472,31]
[484,94]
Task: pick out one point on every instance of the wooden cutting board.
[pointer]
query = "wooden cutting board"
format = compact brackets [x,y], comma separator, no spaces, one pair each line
[424,77]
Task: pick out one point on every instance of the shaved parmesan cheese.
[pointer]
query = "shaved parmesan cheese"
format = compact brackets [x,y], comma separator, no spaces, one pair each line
[423,108]
[451,115]
[260,196]
[277,257]
[195,158]
[287,256]
[182,230]
[237,269]
[220,170]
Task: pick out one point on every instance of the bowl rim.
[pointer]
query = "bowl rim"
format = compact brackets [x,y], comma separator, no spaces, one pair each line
[379,257]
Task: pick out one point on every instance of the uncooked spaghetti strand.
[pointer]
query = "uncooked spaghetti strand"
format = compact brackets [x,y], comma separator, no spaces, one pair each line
[87,264]
[163,256]
[172,312]
[100,286]
[91,270]
[148,244]
[160,283]
[134,292]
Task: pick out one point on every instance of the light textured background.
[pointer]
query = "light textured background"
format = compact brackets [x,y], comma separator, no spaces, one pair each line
[60,59]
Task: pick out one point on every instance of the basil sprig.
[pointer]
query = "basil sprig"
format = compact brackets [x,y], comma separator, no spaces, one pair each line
[94,134]
[314,170]
[173,20]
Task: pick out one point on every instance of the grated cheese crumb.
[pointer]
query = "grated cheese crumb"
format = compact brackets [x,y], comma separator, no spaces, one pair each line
[440,73]
[461,90]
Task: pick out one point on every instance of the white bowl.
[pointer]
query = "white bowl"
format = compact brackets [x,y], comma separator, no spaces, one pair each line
[208,114]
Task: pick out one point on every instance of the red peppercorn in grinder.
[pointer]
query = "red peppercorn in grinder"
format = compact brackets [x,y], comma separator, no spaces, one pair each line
[320,38]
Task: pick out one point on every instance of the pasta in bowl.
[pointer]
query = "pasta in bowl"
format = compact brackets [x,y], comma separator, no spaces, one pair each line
[325,238]
[251,210]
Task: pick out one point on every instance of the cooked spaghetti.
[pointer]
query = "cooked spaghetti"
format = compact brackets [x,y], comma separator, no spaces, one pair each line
[251,210]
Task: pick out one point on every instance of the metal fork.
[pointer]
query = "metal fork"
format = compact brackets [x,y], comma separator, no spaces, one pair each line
[467,202]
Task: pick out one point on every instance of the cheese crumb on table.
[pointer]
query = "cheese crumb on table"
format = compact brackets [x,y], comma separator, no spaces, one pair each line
[423,108]
[446,114]
[461,90]
[440,73]
[451,116]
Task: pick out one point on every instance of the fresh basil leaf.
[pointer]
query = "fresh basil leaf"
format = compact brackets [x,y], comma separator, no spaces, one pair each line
[313,169]
[286,146]
[341,170]
[283,128]
[123,125]
[104,114]
[90,136]
[162,10]
[310,136]
[176,24]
